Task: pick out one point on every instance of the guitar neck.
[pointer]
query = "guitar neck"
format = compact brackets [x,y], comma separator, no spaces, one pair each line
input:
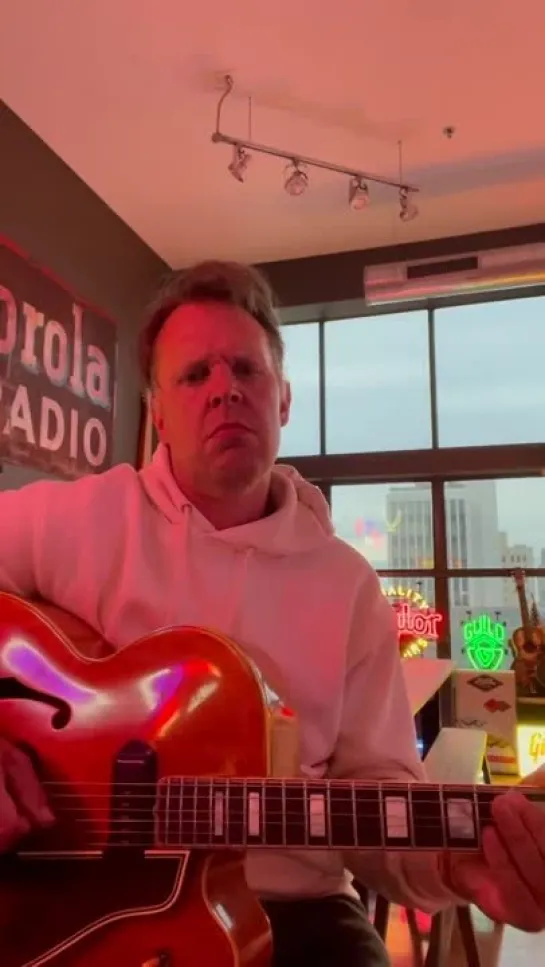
[296,813]
[520,582]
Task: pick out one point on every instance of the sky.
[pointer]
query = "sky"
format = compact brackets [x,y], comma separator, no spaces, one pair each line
[490,364]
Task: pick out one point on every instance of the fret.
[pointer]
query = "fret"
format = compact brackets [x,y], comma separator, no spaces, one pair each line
[381,807]
[160,812]
[194,830]
[203,816]
[396,814]
[255,805]
[173,812]
[461,820]
[273,808]
[284,823]
[368,816]
[318,806]
[354,814]
[219,813]
[485,798]
[294,797]
[342,815]
[166,830]
[306,807]
[429,829]
[478,826]
[236,812]
[187,825]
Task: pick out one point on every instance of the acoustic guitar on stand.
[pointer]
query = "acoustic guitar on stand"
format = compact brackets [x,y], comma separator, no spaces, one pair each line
[161,764]
[528,643]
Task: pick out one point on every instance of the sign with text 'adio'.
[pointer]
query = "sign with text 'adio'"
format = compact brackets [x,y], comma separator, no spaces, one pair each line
[57,374]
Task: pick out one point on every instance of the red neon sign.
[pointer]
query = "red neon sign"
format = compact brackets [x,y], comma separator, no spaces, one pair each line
[417,623]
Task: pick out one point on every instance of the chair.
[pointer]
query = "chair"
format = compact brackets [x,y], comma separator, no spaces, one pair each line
[458,757]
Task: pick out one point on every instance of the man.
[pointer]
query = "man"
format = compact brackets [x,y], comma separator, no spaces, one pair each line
[212,533]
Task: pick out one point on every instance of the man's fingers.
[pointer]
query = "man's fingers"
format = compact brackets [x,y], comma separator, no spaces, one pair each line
[12,824]
[24,787]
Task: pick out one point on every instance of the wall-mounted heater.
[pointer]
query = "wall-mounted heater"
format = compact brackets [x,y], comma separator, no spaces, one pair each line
[468,274]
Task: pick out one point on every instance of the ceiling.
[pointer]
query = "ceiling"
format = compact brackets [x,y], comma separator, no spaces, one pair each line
[125,92]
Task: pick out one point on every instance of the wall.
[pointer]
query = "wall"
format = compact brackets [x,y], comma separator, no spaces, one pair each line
[50,213]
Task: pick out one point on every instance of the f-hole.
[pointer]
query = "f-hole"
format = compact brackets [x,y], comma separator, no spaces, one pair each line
[12,688]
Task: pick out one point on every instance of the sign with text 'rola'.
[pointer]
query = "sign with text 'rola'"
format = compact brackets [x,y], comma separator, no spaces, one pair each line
[58,362]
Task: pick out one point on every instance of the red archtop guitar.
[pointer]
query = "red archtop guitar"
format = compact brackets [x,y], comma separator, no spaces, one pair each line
[157,762]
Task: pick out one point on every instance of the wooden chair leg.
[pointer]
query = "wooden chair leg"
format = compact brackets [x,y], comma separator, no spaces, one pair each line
[382,916]
[467,934]
[416,939]
[440,938]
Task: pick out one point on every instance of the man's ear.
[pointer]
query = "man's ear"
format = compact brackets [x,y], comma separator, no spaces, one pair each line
[285,402]
[154,404]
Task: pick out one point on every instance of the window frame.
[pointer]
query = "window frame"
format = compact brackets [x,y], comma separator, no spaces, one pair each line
[436,465]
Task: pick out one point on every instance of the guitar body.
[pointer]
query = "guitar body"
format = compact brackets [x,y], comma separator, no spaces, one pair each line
[94,890]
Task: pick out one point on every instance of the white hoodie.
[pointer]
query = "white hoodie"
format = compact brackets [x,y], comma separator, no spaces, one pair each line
[126,552]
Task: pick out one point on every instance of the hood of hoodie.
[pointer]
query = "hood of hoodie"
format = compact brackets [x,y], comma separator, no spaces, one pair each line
[300,523]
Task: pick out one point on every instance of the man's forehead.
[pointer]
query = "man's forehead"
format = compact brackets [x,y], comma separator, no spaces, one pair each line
[201,330]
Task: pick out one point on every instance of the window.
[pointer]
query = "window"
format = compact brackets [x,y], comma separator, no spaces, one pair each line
[301,437]
[490,365]
[390,524]
[377,388]
[496,523]
[482,623]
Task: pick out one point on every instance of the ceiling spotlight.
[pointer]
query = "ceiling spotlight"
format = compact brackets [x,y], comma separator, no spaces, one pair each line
[408,209]
[297,180]
[239,163]
[358,194]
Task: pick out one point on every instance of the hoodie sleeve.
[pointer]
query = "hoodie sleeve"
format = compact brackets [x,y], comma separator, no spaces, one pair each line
[377,741]
[43,526]
[24,514]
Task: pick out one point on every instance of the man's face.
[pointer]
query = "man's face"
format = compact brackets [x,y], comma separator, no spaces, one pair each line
[219,400]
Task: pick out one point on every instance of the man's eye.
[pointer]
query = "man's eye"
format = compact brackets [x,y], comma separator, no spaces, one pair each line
[198,374]
[243,368]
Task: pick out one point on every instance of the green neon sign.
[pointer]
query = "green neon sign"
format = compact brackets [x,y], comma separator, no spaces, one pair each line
[484,641]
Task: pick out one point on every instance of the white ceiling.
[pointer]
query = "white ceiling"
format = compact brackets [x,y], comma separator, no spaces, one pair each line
[125,92]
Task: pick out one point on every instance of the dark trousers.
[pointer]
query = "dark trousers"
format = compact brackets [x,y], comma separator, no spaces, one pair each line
[324,932]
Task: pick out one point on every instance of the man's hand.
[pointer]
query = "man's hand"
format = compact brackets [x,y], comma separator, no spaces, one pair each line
[23,804]
[507,881]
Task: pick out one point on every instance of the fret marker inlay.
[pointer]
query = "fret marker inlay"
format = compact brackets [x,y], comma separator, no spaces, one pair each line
[317,820]
[461,820]
[254,814]
[397,820]
[218,814]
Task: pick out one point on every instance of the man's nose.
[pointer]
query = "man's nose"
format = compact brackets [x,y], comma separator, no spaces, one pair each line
[224,386]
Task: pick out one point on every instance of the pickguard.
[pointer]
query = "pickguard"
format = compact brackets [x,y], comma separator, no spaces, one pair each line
[40,918]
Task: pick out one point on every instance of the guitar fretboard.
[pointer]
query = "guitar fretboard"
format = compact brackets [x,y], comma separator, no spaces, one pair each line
[311,814]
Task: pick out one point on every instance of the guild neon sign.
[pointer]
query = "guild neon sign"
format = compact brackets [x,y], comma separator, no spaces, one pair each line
[417,623]
[484,642]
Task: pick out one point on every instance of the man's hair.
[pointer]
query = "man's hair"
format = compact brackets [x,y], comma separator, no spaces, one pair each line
[211,281]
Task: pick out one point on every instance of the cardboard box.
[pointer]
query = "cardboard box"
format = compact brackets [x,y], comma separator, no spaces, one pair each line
[488,701]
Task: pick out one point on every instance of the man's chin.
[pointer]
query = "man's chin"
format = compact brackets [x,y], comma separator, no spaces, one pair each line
[237,471]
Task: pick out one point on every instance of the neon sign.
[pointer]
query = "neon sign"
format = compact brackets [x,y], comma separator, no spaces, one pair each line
[531,748]
[484,641]
[417,623]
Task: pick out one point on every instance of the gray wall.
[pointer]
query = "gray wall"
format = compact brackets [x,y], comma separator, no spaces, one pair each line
[52,215]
